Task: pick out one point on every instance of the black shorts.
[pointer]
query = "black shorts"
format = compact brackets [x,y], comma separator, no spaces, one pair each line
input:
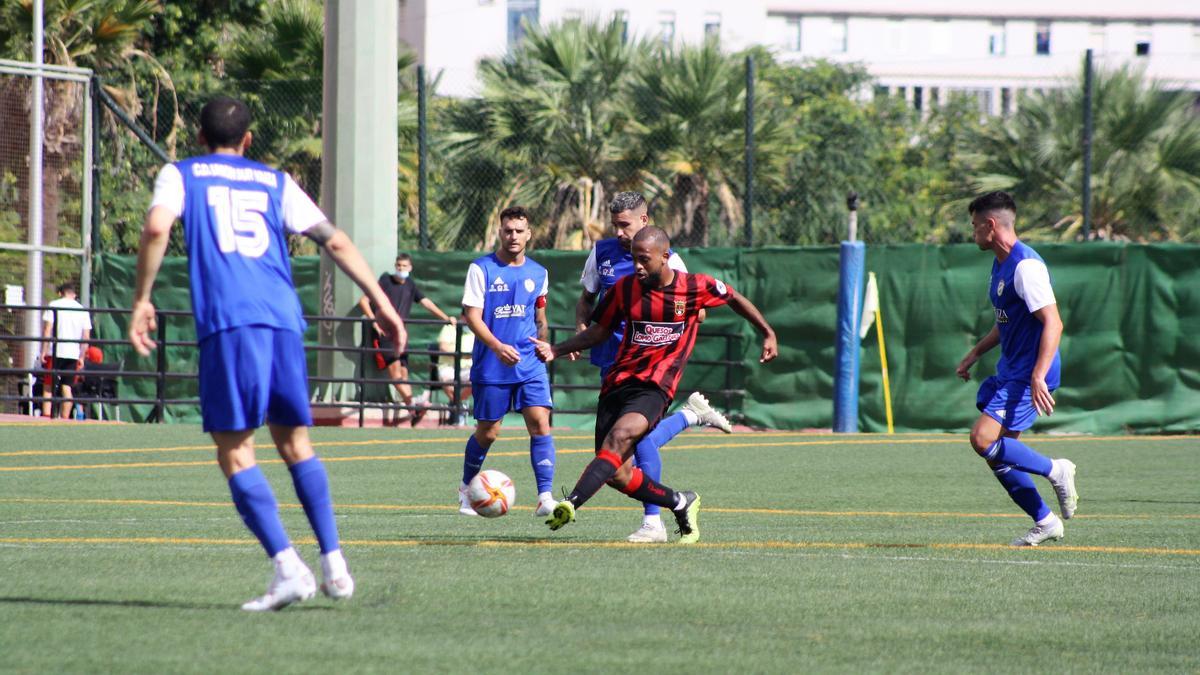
[634,397]
[61,378]
[386,356]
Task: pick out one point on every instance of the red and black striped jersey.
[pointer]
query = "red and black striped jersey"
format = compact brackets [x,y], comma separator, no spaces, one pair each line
[661,325]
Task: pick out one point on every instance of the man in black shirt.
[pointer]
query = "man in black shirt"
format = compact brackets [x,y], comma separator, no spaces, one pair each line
[402,291]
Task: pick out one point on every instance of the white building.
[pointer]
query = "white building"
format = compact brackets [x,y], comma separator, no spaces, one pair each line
[919,48]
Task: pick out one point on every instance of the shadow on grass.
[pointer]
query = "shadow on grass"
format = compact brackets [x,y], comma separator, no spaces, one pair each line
[140,604]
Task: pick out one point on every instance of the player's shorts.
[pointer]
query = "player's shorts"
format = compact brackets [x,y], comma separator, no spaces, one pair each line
[493,401]
[1009,402]
[253,374]
[643,398]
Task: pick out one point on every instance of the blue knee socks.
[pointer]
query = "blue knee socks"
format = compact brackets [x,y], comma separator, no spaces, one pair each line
[1022,491]
[312,487]
[473,459]
[1012,452]
[256,504]
[646,455]
[541,456]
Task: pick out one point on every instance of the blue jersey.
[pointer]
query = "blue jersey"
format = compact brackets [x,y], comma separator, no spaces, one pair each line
[1020,286]
[608,262]
[510,297]
[236,217]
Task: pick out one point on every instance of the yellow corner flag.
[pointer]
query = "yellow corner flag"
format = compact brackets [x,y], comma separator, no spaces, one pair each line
[872,314]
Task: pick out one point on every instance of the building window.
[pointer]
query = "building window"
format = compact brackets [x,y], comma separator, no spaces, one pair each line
[997,38]
[666,27]
[794,28]
[712,26]
[838,35]
[1097,36]
[1141,46]
[521,15]
[1042,39]
[621,17]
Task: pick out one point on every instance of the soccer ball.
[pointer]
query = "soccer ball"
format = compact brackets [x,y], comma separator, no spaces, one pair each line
[491,493]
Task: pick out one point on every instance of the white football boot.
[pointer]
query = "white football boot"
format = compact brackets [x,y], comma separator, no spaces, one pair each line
[464,503]
[651,532]
[1064,487]
[337,583]
[545,504]
[293,582]
[1050,528]
[705,412]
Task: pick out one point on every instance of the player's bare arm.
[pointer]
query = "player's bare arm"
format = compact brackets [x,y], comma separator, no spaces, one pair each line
[347,257]
[1052,329]
[583,310]
[985,344]
[156,232]
[542,323]
[592,336]
[507,354]
[740,304]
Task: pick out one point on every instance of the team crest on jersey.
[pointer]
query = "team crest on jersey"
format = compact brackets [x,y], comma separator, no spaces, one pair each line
[1000,288]
[680,307]
[606,269]
[529,285]
[721,287]
[498,286]
[656,333]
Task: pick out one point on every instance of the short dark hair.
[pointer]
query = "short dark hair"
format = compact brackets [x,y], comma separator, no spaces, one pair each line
[514,213]
[992,201]
[626,201]
[653,235]
[224,121]
[67,286]
[403,257]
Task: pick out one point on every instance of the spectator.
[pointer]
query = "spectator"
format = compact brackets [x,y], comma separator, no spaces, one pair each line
[445,367]
[71,326]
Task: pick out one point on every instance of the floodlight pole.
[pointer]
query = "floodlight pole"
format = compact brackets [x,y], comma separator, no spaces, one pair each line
[33,276]
[748,195]
[422,163]
[852,224]
[1087,145]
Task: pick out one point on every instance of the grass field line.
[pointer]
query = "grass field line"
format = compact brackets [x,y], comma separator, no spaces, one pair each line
[729,510]
[874,439]
[543,543]
[455,455]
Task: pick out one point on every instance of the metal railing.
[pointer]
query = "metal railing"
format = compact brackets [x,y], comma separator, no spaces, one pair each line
[363,355]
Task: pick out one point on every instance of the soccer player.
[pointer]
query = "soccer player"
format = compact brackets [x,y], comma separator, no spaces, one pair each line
[402,291]
[504,301]
[661,308]
[1028,330]
[610,260]
[236,217]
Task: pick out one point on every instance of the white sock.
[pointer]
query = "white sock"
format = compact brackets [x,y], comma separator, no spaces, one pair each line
[690,416]
[1048,519]
[654,520]
[333,565]
[288,562]
[542,496]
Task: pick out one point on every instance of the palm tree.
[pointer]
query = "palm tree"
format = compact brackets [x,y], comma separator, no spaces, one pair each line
[1145,154]
[97,34]
[548,132]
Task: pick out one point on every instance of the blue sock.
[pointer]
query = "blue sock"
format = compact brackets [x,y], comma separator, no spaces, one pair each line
[1012,452]
[541,456]
[256,503]
[473,459]
[646,455]
[1022,491]
[312,487]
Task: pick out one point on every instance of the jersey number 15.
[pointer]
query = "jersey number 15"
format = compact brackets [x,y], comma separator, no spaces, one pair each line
[240,223]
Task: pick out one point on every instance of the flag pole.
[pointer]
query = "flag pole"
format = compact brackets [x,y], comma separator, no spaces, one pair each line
[887,387]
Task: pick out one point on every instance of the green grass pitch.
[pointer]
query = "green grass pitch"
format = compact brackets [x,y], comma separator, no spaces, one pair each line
[120,552]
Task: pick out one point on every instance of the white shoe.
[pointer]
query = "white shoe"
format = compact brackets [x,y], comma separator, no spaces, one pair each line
[340,588]
[1041,532]
[464,504]
[1064,488]
[649,533]
[545,504]
[705,413]
[283,591]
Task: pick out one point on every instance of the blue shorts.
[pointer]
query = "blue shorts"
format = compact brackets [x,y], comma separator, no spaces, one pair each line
[493,401]
[1008,402]
[252,374]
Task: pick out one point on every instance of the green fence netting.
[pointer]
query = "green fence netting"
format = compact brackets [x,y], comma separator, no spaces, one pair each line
[1131,356]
